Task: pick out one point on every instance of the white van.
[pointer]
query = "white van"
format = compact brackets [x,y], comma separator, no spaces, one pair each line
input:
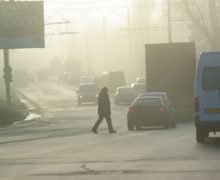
[207,95]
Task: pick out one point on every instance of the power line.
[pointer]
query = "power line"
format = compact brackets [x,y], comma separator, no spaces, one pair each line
[53,23]
[74,3]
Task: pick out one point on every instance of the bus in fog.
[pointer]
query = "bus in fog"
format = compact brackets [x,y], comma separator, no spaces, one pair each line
[112,80]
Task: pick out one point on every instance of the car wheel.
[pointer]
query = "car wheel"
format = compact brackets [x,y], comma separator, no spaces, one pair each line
[167,125]
[201,134]
[173,124]
[130,125]
[138,127]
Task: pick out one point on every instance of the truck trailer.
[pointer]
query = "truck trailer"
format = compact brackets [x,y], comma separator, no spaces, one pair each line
[170,68]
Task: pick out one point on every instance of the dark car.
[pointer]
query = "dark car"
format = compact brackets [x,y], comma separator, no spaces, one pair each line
[168,103]
[123,94]
[87,93]
[149,111]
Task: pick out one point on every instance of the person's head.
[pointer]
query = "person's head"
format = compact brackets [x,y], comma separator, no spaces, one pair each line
[104,90]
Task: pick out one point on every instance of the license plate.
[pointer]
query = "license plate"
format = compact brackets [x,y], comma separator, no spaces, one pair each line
[212,111]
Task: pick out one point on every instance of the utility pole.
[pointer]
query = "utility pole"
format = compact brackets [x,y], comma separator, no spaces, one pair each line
[169,21]
[7,76]
[129,39]
[105,43]
[214,24]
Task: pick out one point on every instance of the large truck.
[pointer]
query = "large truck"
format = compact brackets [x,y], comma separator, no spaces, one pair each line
[170,68]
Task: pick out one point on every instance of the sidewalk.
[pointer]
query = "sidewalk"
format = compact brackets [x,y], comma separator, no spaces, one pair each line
[9,114]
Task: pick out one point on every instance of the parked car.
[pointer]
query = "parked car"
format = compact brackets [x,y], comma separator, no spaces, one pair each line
[138,88]
[87,93]
[123,94]
[149,111]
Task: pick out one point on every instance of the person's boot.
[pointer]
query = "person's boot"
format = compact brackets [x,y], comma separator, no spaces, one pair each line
[94,130]
[112,131]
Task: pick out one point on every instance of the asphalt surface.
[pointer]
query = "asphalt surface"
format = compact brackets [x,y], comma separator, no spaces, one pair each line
[57,143]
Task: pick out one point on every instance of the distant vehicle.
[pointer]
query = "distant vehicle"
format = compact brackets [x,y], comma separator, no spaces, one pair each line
[112,80]
[123,94]
[140,80]
[86,79]
[149,111]
[138,88]
[207,95]
[22,78]
[87,93]
[42,77]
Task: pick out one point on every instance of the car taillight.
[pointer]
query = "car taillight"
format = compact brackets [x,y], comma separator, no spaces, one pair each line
[196,104]
[162,109]
[131,109]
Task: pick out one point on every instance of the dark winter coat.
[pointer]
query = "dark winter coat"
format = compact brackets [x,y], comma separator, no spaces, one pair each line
[104,107]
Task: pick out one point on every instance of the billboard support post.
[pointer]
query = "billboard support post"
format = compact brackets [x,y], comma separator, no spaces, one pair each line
[7,76]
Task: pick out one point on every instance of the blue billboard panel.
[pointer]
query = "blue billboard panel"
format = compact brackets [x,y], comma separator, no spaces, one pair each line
[21,24]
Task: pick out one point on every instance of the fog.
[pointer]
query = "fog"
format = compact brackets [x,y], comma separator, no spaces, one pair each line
[103,35]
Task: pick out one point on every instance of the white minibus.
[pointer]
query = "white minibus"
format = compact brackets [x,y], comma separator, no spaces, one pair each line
[207,95]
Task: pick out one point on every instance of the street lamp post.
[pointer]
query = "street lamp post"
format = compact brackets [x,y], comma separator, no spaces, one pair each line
[169,21]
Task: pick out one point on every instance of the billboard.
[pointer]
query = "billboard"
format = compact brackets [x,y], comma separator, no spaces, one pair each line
[21,24]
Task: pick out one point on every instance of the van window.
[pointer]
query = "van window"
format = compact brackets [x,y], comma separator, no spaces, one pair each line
[211,78]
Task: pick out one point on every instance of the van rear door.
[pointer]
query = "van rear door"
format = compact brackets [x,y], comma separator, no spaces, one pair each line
[209,98]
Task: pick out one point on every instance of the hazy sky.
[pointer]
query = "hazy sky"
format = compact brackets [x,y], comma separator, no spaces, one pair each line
[101,34]
[82,17]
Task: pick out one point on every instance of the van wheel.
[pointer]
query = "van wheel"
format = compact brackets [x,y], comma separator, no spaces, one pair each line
[138,127]
[201,134]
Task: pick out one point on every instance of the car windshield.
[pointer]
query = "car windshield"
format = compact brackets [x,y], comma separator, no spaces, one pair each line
[87,88]
[124,90]
[147,101]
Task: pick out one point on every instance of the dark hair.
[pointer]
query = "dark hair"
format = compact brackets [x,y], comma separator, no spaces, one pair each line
[104,90]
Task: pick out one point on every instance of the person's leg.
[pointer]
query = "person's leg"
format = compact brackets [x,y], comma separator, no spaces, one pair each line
[109,123]
[96,125]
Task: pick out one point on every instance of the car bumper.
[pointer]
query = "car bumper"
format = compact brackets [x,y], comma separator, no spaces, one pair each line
[155,120]
[208,125]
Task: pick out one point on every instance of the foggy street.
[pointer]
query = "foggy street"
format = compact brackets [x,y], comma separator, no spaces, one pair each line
[59,144]
[161,57]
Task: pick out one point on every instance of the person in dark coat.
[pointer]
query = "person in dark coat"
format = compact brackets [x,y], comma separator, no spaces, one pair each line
[104,110]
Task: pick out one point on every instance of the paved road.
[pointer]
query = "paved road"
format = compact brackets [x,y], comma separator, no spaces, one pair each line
[59,145]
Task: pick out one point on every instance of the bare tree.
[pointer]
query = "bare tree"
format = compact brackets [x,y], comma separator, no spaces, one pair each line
[204,19]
